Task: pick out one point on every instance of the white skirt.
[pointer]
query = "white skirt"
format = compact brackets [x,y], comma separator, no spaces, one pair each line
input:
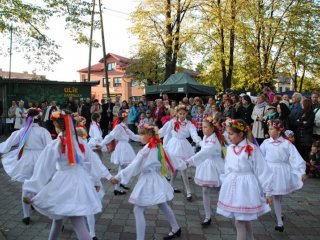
[285,180]
[241,197]
[22,169]
[179,150]
[69,193]
[123,153]
[208,173]
[151,189]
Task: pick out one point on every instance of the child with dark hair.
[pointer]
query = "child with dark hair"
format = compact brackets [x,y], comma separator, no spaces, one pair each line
[286,164]
[63,184]
[314,160]
[123,153]
[19,163]
[209,164]
[152,187]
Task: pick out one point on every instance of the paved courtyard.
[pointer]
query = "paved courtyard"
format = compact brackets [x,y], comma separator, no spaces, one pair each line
[301,211]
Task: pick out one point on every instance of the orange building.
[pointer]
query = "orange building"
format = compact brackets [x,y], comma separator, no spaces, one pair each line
[120,83]
[23,75]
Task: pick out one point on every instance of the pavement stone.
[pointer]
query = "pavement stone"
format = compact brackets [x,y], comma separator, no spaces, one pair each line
[301,211]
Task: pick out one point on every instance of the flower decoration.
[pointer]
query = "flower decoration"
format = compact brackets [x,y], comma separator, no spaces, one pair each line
[57,114]
[277,124]
[181,107]
[236,124]
[125,114]
[249,149]
[209,119]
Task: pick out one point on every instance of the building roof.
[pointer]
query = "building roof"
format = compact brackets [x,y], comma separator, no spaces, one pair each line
[47,82]
[23,75]
[118,57]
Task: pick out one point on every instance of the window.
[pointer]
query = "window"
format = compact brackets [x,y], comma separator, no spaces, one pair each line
[134,83]
[105,83]
[111,66]
[117,82]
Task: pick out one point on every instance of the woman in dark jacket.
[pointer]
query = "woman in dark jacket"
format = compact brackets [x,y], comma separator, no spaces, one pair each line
[245,110]
[284,112]
[304,128]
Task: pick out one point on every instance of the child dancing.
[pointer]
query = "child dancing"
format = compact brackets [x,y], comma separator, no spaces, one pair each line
[244,181]
[287,165]
[152,187]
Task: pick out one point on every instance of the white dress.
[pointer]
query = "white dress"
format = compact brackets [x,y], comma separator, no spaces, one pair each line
[152,188]
[123,153]
[244,183]
[286,164]
[178,147]
[95,135]
[209,163]
[62,190]
[22,169]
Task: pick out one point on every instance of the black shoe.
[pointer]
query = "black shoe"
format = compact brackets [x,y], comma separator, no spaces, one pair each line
[62,229]
[279,228]
[189,197]
[206,222]
[282,218]
[26,220]
[124,187]
[177,190]
[119,192]
[172,235]
[32,208]
[94,238]
[168,179]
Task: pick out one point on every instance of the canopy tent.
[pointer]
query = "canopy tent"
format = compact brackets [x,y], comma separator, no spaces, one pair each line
[181,83]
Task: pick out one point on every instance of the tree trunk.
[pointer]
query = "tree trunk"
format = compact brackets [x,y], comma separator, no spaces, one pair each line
[232,43]
[222,46]
[302,78]
[168,41]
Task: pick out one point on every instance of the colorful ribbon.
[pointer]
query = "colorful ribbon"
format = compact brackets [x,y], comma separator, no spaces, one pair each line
[24,136]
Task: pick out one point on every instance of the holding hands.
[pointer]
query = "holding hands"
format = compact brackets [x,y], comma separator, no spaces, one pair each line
[114,181]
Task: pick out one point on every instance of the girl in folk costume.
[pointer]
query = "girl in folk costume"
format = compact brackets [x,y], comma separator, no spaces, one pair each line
[20,116]
[123,153]
[82,133]
[95,134]
[62,183]
[19,163]
[178,147]
[246,177]
[287,165]
[152,187]
[209,164]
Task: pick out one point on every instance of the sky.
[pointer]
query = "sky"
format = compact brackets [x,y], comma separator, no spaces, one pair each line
[75,56]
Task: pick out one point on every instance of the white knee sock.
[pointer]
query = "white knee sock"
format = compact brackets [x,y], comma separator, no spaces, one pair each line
[278,209]
[241,230]
[55,229]
[170,215]
[186,181]
[249,231]
[91,223]
[140,222]
[80,228]
[173,178]
[25,207]
[117,186]
[206,201]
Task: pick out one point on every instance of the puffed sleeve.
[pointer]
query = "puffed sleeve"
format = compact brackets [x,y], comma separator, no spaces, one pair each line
[227,165]
[263,148]
[205,153]
[44,169]
[166,129]
[261,170]
[46,137]
[111,136]
[13,140]
[193,133]
[134,168]
[297,163]
[132,136]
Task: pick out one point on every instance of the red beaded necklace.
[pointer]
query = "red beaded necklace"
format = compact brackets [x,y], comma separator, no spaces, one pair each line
[238,152]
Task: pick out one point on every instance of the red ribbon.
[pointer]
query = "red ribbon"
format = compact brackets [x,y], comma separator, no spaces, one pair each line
[177,125]
[249,149]
[153,142]
[194,123]
[64,143]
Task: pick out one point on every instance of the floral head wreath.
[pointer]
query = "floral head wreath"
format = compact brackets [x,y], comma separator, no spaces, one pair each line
[124,113]
[277,124]
[181,107]
[236,124]
[56,115]
[149,126]
[210,119]
[39,115]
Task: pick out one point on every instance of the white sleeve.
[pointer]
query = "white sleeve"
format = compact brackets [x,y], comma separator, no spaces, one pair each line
[193,133]
[46,137]
[263,148]
[97,169]
[262,171]
[166,129]
[297,163]
[133,169]
[254,114]
[205,153]
[13,140]
[43,171]
[111,136]
[132,136]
